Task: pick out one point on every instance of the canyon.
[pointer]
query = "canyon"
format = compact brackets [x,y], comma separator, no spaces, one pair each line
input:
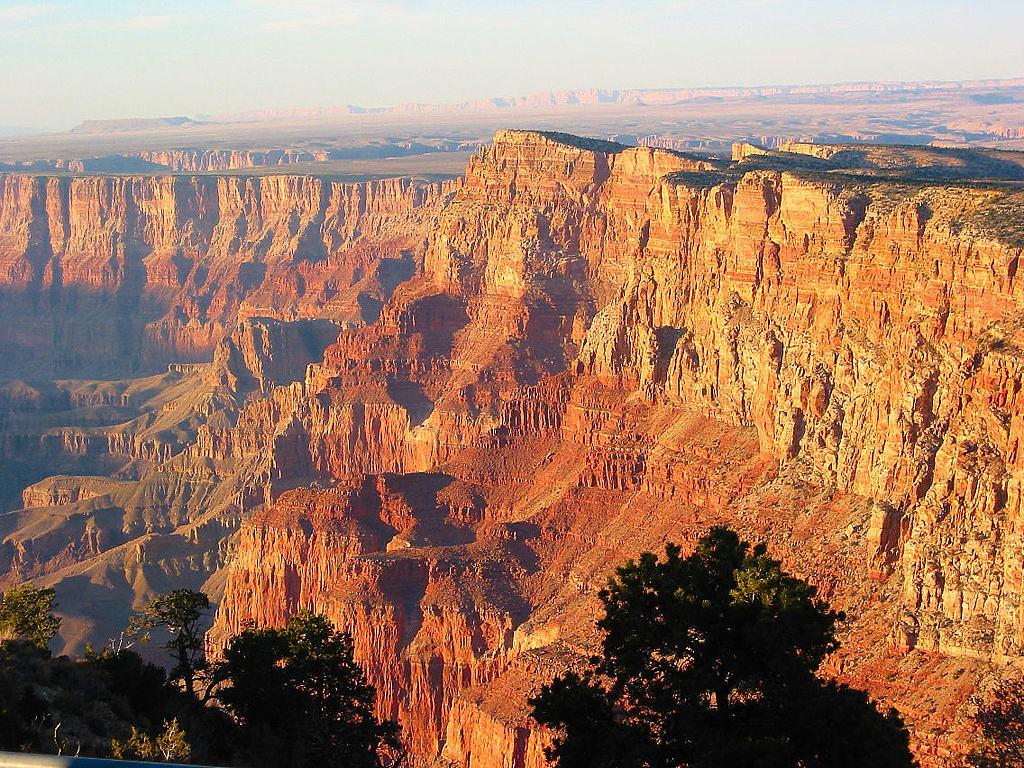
[430,138]
[441,411]
[192,160]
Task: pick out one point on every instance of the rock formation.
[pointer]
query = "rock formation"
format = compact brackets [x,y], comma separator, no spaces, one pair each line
[473,400]
[195,160]
[115,276]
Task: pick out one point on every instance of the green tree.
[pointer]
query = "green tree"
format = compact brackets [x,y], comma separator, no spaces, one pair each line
[710,660]
[1000,724]
[153,702]
[106,702]
[55,703]
[142,684]
[180,614]
[26,613]
[301,699]
[170,746]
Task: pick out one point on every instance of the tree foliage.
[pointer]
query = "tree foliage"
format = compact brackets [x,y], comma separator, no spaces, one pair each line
[170,746]
[1000,724]
[179,614]
[301,699]
[710,660]
[292,696]
[26,613]
[59,705]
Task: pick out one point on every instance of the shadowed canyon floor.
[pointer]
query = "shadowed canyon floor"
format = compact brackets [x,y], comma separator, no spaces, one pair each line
[440,412]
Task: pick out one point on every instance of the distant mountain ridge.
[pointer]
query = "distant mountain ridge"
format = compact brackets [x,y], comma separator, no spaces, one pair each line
[667,96]
[117,125]
[553,99]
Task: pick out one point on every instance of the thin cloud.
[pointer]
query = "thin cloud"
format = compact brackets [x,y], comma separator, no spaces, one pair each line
[24,12]
[290,15]
[29,21]
[156,21]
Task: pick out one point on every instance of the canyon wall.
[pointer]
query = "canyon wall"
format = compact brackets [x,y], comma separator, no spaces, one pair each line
[195,160]
[200,160]
[608,347]
[441,414]
[106,277]
[118,292]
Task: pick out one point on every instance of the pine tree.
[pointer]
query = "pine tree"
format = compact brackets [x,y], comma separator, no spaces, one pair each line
[301,699]
[26,613]
[710,660]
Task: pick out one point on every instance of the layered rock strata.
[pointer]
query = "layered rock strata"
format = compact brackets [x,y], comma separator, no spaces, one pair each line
[106,277]
[195,160]
[618,346]
[582,351]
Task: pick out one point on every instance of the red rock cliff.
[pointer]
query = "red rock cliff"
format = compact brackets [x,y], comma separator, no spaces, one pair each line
[604,348]
[130,273]
[446,411]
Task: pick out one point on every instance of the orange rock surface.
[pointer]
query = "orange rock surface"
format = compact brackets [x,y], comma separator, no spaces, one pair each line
[582,351]
[142,271]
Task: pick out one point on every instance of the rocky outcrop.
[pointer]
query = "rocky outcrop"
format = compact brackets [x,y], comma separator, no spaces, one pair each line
[262,353]
[203,160]
[582,351]
[129,274]
[57,490]
[618,346]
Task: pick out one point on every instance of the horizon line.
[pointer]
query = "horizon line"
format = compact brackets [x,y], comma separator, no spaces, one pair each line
[535,99]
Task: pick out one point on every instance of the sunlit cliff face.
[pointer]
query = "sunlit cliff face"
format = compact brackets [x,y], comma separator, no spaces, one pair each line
[582,351]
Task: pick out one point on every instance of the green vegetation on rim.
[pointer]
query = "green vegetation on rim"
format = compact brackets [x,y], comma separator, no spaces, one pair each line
[712,660]
[291,697]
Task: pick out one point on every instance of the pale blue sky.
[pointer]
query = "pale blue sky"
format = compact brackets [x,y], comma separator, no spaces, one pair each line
[62,61]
